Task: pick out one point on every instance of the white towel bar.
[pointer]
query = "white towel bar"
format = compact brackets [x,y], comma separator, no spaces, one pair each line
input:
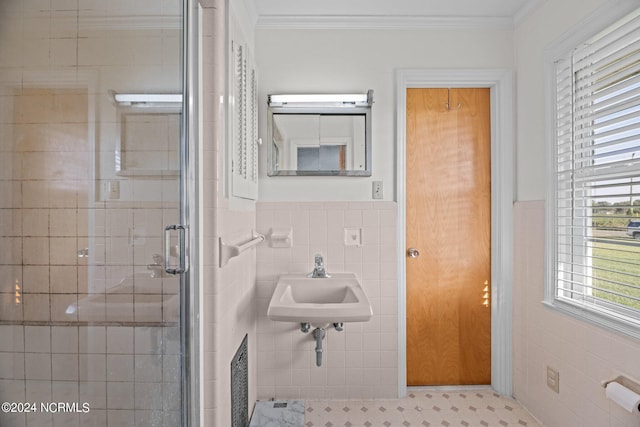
[230,251]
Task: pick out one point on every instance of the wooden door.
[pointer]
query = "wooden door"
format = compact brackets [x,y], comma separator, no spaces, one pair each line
[449,224]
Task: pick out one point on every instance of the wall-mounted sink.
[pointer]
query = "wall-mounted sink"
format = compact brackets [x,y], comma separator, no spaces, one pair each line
[339,298]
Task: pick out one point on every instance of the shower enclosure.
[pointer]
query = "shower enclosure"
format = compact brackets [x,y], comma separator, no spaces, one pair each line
[92,155]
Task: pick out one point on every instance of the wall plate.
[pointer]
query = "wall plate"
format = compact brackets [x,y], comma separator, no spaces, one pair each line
[353,237]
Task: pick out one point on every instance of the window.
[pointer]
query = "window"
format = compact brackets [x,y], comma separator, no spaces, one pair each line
[594,264]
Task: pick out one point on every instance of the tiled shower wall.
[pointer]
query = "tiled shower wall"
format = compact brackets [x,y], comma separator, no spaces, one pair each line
[65,247]
[46,140]
[127,375]
[63,240]
[63,236]
[360,362]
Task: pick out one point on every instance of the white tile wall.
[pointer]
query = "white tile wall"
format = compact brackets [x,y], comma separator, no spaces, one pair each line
[46,221]
[123,373]
[585,355]
[360,362]
[45,213]
[228,293]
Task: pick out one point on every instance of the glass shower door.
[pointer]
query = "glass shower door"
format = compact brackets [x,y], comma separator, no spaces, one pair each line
[90,175]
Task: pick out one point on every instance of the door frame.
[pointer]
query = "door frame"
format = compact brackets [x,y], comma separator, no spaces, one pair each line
[500,82]
[191,330]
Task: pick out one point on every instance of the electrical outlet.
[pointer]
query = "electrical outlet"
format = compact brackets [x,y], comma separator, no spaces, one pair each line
[553,379]
[376,190]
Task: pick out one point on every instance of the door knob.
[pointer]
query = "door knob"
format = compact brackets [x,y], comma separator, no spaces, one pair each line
[413,253]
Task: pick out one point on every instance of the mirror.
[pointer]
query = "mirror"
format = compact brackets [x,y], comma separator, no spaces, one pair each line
[149,128]
[319,138]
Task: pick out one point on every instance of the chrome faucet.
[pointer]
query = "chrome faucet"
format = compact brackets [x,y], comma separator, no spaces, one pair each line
[318,271]
[157,268]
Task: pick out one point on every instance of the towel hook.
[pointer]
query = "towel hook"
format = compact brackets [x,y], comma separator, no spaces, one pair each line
[448,104]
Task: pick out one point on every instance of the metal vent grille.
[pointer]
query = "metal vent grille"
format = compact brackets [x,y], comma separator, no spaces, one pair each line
[240,387]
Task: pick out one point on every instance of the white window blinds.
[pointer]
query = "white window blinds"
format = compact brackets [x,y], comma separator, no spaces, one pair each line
[597,176]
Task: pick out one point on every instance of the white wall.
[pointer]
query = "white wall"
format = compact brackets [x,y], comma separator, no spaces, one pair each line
[347,61]
[584,354]
[228,292]
[535,34]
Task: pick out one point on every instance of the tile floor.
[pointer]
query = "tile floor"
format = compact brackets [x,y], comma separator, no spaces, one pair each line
[421,409]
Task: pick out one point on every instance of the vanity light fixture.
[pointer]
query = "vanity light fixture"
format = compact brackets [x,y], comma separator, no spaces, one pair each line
[148,99]
[327,99]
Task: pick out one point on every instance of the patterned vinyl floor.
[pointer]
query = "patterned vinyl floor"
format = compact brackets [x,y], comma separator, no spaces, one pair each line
[421,409]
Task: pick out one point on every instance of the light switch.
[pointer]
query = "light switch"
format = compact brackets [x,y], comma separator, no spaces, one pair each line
[376,190]
[113,189]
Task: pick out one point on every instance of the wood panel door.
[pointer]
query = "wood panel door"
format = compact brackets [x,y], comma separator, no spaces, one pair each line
[448,181]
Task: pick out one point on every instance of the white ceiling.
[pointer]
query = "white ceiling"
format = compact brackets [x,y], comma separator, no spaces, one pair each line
[389,13]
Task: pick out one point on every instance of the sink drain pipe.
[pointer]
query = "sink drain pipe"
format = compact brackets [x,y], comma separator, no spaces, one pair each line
[318,334]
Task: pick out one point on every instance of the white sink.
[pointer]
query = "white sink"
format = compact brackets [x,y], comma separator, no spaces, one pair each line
[339,298]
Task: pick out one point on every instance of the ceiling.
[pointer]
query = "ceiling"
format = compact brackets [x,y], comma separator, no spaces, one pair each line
[389,13]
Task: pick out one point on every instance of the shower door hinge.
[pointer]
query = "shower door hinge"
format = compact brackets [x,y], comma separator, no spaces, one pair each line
[180,249]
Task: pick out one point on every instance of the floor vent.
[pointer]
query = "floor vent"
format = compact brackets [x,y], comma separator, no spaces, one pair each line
[240,387]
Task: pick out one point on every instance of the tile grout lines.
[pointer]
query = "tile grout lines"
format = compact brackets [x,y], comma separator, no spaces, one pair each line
[421,409]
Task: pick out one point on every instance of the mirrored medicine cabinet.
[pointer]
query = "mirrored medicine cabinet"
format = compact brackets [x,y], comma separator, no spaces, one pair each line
[149,134]
[319,134]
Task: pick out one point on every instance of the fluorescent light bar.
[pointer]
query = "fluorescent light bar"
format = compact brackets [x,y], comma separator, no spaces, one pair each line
[319,98]
[329,100]
[148,98]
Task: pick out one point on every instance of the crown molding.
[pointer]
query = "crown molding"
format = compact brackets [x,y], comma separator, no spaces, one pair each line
[381,22]
[252,12]
[526,10]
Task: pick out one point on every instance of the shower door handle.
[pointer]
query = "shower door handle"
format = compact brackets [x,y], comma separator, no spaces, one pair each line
[182,255]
